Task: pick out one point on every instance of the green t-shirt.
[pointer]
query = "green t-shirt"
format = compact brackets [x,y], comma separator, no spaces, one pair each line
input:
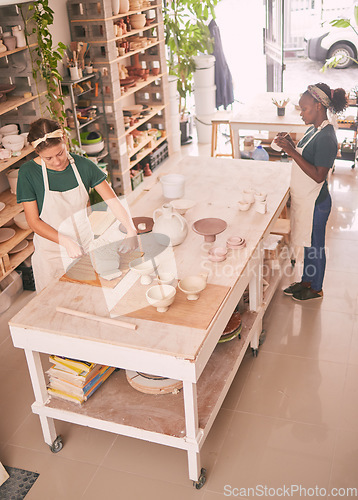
[30,184]
[321,151]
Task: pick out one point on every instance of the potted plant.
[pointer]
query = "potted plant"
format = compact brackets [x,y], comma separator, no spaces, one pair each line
[186,35]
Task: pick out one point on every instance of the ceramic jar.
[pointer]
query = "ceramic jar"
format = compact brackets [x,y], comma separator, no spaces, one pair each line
[169,224]
[2,47]
[116,7]
[124,7]
[10,42]
[19,35]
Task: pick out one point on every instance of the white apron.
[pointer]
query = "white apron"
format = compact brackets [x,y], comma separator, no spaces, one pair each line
[304,192]
[67,213]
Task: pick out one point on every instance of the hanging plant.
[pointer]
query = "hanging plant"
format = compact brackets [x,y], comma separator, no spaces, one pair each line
[45,57]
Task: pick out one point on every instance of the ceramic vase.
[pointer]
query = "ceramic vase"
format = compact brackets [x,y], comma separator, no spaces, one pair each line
[169,224]
[10,42]
[19,35]
[124,6]
[2,47]
[116,6]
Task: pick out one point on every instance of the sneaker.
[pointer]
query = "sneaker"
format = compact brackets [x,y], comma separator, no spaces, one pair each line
[307,294]
[294,287]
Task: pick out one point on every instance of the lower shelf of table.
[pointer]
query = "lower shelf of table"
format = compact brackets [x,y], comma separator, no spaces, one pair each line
[117,403]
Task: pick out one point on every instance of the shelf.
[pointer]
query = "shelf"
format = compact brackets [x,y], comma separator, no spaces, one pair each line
[4,164]
[11,209]
[139,86]
[19,49]
[15,240]
[118,16]
[145,153]
[139,147]
[128,54]
[68,82]
[14,102]
[18,258]
[126,35]
[80,126]
[155,111]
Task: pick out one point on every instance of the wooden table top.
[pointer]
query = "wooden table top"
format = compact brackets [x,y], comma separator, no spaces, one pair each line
[261,111]
[216,185]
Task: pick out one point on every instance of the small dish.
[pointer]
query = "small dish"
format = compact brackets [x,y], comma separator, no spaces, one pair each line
[182,205]
[248,195]
[6,233]
[244,205]
[235,242]
[161,297]
[165,278]
[209,228]
[217,254]
[21,246]
[260,196]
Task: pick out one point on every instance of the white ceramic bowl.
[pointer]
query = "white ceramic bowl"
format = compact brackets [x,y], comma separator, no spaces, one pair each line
[13,142]
[138,24]
[260,196]
[92,149]
[182,205]
[144,268]
[166,278]
[24,135]
[192,286]
[161,296]
[217,254]
[244,205]
[11,129]
[20,221]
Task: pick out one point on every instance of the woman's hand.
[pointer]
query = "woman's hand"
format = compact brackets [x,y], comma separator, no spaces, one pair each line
[130,242]
[73,249]
[285,142]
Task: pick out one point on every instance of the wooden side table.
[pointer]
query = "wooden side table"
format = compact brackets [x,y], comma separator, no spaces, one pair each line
[221,118]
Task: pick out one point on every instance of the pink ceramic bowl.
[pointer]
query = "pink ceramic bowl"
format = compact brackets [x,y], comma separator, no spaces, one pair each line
[217,254]
[235,242]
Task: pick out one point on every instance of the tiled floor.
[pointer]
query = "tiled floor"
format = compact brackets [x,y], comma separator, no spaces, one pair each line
[290,417]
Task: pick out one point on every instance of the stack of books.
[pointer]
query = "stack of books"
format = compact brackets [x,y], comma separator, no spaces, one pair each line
[75,380]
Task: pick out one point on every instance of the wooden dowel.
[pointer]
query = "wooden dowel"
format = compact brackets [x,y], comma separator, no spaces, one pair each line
[101,319]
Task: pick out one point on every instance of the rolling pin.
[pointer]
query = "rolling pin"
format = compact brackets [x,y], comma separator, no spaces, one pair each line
[93,317]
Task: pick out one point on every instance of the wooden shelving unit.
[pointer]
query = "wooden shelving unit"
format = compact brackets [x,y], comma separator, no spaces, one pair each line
[4,164]
[98,26]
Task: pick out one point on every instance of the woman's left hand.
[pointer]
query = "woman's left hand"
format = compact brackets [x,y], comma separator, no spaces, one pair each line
[130,242]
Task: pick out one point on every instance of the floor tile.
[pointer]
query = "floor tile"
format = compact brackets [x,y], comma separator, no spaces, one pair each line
[60,478]
[233,396]
[308,333]
[260,450]
[349,404]
[353,351]
[110,484]
[300,389]
[344,468]
[135,456]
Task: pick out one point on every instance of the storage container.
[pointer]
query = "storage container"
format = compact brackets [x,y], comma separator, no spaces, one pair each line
[204,74]
[10,288]
[205,100]
[204,128]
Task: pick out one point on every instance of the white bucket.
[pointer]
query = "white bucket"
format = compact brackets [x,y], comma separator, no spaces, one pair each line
[12,176]
[203,128]
[174,105]
[204,100]
[175,122]
[172,80]
[204,74]
[173,185]
[176,142]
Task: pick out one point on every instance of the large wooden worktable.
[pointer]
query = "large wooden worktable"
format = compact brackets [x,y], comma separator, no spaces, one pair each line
[184,353]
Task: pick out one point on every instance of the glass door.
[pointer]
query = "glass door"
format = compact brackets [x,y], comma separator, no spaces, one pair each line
[273,42]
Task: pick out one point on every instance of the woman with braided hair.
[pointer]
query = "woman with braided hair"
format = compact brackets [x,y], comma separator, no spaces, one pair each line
[310,199]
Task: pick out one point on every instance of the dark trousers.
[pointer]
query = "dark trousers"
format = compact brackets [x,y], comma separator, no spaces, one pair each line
[314,264]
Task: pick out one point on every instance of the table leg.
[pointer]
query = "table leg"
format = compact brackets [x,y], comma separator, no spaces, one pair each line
[235,133]
[41,395]
[192,428]
[256,294]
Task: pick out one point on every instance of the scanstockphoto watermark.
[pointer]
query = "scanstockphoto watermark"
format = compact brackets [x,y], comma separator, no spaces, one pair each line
[292,490]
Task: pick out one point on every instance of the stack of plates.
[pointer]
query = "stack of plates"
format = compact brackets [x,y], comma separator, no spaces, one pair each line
[232,329]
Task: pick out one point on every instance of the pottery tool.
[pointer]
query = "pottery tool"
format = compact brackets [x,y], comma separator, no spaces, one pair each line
[280,104]
[100,319]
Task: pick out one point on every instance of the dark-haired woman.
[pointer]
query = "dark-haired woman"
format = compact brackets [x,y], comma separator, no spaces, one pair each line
[54,191]
[310,199]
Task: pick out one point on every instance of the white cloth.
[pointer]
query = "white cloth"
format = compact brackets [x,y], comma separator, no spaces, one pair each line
[67,213]
[304,192]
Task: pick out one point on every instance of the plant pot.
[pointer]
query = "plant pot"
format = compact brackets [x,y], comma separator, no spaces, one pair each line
[281,111]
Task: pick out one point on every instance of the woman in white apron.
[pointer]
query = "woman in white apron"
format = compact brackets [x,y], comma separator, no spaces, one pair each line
[57,213]
[310,199]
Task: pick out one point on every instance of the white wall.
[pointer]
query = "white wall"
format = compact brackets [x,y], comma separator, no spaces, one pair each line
[60,29]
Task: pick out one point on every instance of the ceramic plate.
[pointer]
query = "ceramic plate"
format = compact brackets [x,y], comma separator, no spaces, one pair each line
[21,246]
[6,233]
[2,206]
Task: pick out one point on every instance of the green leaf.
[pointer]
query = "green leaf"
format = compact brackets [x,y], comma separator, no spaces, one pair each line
[340,23]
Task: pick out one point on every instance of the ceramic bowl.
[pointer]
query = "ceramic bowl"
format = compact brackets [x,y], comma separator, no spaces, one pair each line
[13,142]
[235,242]
[275,146]
[192,286]
[248,195]
[182,205]
[138,24]
[144,268]
[161,296]
[92,149]
[260,196]
[166,278]
[217,254]
[244,205]
[20,221]
[11,129]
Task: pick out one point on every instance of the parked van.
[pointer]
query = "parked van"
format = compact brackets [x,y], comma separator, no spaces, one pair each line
[333,42]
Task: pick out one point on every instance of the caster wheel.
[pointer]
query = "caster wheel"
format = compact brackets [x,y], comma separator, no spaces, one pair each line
[293,262]
[353,166]
[201,481]
[255,352]
[57,445]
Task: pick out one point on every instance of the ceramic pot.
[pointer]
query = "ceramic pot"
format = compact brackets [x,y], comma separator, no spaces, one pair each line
[193,285]
[116,7]
[2,47]
[169,224]
[10,42]
[19,35]
[124,7]
[161,296]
